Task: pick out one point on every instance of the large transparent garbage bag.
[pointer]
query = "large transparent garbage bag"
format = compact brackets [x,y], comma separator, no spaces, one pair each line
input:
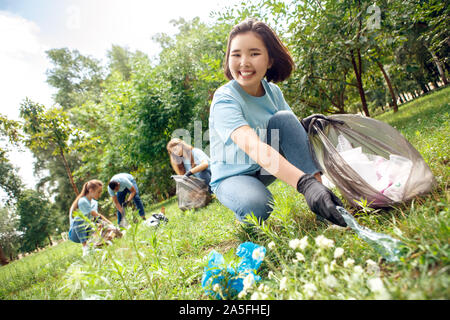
[367,159]
[192,192]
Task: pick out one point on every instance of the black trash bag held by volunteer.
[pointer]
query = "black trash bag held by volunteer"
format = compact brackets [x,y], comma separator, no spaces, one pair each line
[367,159]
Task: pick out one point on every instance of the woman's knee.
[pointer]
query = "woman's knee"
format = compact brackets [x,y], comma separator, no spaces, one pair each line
[245,195]
[260,208]
[280,118]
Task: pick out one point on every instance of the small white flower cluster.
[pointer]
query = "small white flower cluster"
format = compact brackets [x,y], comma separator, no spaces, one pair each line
[248,282]
[261,293]
[323,242]
[258,254]
[323,273]
[299,244]
[377,287]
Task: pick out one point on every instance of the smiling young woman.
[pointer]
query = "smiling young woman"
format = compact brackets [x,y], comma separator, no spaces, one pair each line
[255,137]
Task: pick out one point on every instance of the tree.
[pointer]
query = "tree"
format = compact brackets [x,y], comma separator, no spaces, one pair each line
[9,235]
[37,220]
[10,181]
[120,60]
[436,36]
[77,77]
[48,131]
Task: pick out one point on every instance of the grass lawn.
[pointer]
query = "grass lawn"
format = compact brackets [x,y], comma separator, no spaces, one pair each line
[168,262]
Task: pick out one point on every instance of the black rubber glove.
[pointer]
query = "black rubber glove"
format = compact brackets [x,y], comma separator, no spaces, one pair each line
[320,199]
[319,119]
[188,174]
[126,203]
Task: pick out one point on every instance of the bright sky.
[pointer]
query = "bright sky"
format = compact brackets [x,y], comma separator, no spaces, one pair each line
[30,27]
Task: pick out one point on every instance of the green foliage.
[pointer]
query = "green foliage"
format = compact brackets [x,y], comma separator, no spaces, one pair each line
[10,181]
[10,236]
[76,77]
[37,220]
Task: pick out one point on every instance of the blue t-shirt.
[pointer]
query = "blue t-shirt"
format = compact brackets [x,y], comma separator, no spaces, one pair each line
[86,207]
[232,108]
[125,180]
[199,156]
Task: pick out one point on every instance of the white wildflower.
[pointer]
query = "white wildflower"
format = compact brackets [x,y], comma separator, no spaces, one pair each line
[375,284]
[303,243]
[283,283]
[242,294]
[258,296]
[349,262]
[372,267]
[331,281]
[309,289]
[377,287]
[338,252]
[270,275]
[294,243]
[271,245]
[263,288]
[326,268]
[249,280]
[323,242]
[299,256]
[333,265]
[358,270]
[258,254]
[216,287]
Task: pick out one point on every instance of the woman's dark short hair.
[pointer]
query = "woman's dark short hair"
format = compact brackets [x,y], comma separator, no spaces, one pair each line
[282,66]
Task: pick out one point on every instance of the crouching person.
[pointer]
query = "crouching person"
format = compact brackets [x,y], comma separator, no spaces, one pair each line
[119,186]
[86,202]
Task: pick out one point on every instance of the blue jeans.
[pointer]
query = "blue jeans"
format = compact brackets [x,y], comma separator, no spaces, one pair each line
[246,194]
[79,231]
[121,197]
[205,175]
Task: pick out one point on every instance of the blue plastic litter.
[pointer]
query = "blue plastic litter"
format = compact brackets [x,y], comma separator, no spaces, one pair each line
[230,277]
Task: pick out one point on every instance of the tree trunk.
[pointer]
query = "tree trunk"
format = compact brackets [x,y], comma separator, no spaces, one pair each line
[69,173]
[439,67]
[358,74]
[3,259]
[391,90]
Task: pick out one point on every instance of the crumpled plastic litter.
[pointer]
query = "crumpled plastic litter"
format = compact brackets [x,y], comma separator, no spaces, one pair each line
[390,249]
[155,220]
[388,176]
[216,272]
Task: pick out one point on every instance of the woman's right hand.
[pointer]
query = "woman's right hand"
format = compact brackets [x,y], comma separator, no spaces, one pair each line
[321,200]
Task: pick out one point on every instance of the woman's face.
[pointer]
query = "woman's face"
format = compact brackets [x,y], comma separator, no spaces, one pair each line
[96,192]
[248,62]
[177,150]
